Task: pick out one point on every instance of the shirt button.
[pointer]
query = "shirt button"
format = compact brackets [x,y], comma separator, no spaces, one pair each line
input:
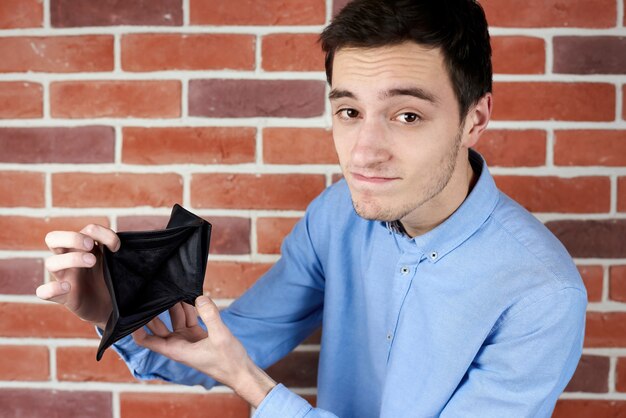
[405,270]
[389,336]
[433,255]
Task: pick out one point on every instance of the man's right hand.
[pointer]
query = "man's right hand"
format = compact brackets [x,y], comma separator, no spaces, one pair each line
[76,268]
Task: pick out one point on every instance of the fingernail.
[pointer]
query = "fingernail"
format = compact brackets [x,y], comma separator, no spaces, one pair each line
[65,286]
[88,243]
[89,258]
[202,301]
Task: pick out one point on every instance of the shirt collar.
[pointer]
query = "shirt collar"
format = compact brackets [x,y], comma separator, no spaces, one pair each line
[466,220]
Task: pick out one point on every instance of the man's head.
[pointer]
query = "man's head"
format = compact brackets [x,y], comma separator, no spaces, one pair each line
[409,96]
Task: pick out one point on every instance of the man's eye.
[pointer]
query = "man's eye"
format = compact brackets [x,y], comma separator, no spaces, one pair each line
[408,117]
[348,113]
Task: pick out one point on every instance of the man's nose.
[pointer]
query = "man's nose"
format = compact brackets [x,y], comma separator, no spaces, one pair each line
[372,146]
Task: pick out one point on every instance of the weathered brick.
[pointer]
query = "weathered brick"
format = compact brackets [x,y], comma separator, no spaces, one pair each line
[555,194]
[141,223]
[589,54]
[20,276]
[591,376]
[590,147]
[77,364]
[21,14]
[21,188]
[229,279]
[508,148]
[77,145]
[621,194]
[583,408]
[97,99]
[292,52]
[298,369]
[75,13]
[166,405]
[42,320]
[271,232]
[24,363]
[298,146]
[28,233]
[624,101]
[617,283]
[338,5]
[605,329]
[593,278]
[173,51]
[80,190]
[518,55]
[230,235]
[256,98]
[592,238]
[620,375]
[551,13]
[20,100]
[250,191]
[248,12]
[554,101]
[57,54]
[189,145]
[27,403]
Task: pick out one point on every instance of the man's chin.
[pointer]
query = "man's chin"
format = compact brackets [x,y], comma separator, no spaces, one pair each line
[373,212]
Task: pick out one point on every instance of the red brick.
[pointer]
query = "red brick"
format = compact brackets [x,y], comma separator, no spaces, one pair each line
[555,194]
[292,52]
[42,320]
[620,374]
[20,100]
[554,101]
[256,98]
[250,191]
[93,99]
[298,369]
[583,408]
[22,362]
[229,279]
[57,54]
[589,54]
[27,403]
[621,194]
[590,148]
[28,233]
[591,376]
[167,405]
[593,277]
[189,145]
[74,13]
[624,101]
[230,235]
[507,148]
[298,146]
[271,232]
[173,51]
[338,5]
[605,329]
[251,12]
[83,190]
[21,14]
[617,283]
[548,13]
[518,55]
[592,238]
[20,188]
[336,177]
[20,276]
[77,364]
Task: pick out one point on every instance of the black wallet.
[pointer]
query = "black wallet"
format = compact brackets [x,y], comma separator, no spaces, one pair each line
[154,270]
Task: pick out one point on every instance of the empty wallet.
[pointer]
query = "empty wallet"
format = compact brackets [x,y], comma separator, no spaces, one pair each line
[152,271]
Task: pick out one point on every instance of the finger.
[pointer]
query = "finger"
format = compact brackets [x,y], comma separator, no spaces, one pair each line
[54,291]
[151,342]
[177,315]
[59,262]
[158,328]
[191,316]
[102,234]
[61,241]
[210,314]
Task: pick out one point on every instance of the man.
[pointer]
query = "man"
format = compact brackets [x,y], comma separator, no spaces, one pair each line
[438,295]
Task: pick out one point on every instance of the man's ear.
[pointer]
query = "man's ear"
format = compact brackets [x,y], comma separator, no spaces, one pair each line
[477,120]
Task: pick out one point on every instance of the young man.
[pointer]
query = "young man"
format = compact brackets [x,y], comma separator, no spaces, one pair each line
[438,295]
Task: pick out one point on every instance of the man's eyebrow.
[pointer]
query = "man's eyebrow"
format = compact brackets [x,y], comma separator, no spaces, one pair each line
[411,91]
[338,94]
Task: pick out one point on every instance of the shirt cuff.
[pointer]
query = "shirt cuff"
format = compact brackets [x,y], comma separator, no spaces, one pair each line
[281,402]
[132,354]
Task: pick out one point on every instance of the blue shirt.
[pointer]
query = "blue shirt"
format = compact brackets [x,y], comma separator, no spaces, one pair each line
[482,316]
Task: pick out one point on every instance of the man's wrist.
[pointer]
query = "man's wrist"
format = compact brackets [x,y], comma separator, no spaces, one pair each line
[254,385]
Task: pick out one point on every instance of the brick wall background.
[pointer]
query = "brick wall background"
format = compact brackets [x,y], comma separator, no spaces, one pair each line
[111,111]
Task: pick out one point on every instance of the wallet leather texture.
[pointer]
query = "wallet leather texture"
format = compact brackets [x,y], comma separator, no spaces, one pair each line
[152,271]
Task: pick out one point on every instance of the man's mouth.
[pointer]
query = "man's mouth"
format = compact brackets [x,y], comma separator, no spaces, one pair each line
[372,179]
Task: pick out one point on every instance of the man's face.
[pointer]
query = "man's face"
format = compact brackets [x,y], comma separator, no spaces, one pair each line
[396,129]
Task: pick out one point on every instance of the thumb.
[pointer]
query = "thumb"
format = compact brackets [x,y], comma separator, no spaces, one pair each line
[208,311]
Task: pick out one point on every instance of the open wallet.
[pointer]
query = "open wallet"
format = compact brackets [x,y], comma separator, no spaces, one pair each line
[153,271]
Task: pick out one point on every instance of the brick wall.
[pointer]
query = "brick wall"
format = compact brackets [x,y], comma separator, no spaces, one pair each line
[112,111]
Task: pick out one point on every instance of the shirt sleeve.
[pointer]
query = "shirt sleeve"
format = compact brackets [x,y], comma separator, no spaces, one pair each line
[281,402]
[526,361]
